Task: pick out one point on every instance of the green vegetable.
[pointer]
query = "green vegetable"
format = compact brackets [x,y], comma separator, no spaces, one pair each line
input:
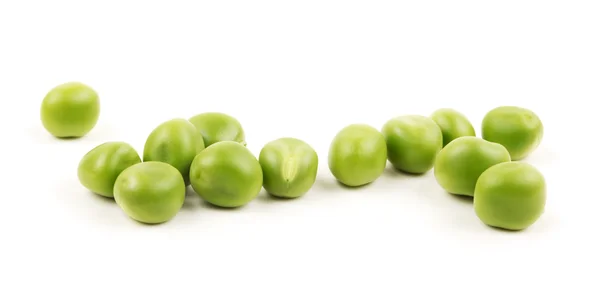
[70,110]
[289,167]
[226,174]
[413,142]
[217,127]
[357,155]
[453,124]
[510,195]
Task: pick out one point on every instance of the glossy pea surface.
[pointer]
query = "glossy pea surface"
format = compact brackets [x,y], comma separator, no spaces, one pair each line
[217,127]
[289,167]
[453,124]
[510,195]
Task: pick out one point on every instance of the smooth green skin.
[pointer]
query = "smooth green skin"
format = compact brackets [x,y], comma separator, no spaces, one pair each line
[70,110]
[177,142]
[413,142]
[217,127]
[150,192]
[510,196]
[518,129]
[459,164]
[289,167]
[453,124]
[357,155]
[99,168]
[226,174]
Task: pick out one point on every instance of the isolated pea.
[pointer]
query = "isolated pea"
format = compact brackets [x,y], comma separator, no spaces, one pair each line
[412,141]
[453,124]
[150,192]
[70,110]
[226,174]
[99,168]
[217,127]
[357,155]
[510,195]
[176,141]
[520,130]
[289,167]
[459,164]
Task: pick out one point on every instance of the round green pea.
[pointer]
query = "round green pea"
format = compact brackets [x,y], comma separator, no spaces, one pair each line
[289,167]
[520,130]
[357,155]
[70,110]
[453,124]
[226,174]
[150,192]
[217,127]
[176,141]
[458,165]
[99,168]
[510,195]
[413,142]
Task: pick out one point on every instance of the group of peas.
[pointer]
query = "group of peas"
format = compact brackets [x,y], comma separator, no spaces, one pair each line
[208,151]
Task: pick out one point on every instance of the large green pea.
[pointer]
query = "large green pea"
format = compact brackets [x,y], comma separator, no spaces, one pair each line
[226,174]
[99,168]
[453,124]
[176,141]
[150,192]
[459,164]
[510,195]
[520,130]
[70,110]
[217,127]
[289,167]
[357,155]
[413,142]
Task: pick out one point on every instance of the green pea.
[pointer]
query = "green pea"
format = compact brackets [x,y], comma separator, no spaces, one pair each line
[99,168]
[226,174]
[70,110]
[150,192]
[412,141]
[176,141]
[453,124]
[217,127]
[357,155]
[289,167]
[510,195]
[458,165]
[518,129]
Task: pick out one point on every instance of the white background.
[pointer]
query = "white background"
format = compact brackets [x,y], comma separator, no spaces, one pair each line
[303,69]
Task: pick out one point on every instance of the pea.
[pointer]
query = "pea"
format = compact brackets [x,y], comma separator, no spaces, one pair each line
[99,168]
[217,127]
[289,167]
[357,155]
[510,195]
[176,141]
[453,124]
[226,174]
[150,192]
[412,141]
[70,110]
[458,165]
[520,130]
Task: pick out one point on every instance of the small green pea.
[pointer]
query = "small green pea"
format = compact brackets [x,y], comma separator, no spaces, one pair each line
[459,164]
[520,130]
[453,124]
[357,155]
[176,141]
[226,174]
[289,167]
[150,192]
[510,195]
[70,110]
[216,127]
[412,141]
